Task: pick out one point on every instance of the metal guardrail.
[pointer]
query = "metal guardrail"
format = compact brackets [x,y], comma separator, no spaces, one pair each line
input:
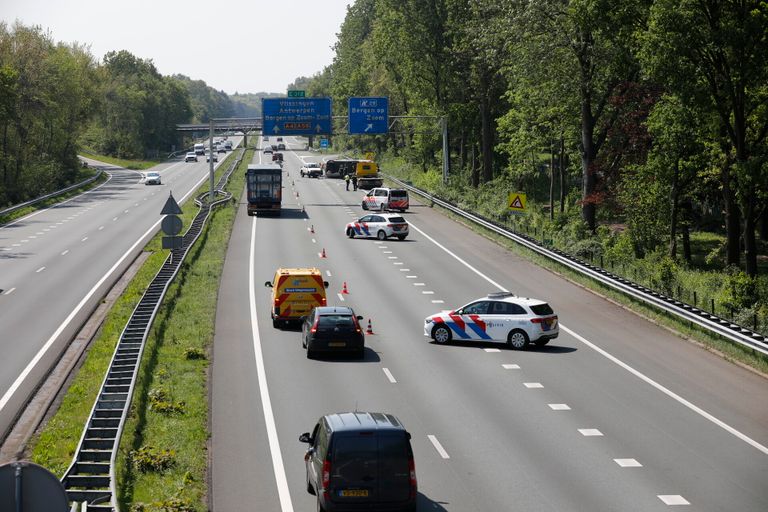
[52,194]
[90,478]
[702,318]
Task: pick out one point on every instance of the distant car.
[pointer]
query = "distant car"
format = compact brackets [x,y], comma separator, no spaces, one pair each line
[311,170]
[496,317]
[221,148]
[152,178]
[279,139]
[281,147]
[268,150]
[228,145]
[381,226]
[208,157]
[277,157]
[266,137]
[332,329]
[191,157]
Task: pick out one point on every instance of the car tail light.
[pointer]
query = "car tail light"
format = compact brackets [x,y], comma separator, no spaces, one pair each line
[536,320]
[323,301]
[314,326]
[326,476]
[412,474]
[357,325]
[390,225]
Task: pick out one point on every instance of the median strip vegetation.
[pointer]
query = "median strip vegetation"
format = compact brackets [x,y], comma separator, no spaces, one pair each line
[162,459]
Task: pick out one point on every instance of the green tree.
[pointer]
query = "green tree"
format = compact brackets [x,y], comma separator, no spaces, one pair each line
[712,53]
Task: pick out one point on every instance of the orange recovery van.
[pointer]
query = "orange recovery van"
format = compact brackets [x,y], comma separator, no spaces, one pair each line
[295,291]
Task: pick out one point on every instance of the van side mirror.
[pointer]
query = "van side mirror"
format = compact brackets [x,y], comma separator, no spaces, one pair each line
[305,438]
[408,435]
[359,317]
[268,284]
[325,283]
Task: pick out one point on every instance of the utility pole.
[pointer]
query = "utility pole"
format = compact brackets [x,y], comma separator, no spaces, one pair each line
[210,155]
[446,155]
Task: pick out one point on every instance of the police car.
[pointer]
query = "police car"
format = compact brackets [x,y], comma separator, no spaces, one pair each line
[496,317]
[381,225]
[382,198]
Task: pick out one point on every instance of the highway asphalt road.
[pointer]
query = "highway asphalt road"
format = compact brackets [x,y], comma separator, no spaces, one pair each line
[615,414]
[56,265]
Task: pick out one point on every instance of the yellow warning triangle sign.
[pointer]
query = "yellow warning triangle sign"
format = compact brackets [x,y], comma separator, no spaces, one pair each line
[516,203]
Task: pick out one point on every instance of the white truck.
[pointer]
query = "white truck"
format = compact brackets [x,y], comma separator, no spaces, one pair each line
[200,149]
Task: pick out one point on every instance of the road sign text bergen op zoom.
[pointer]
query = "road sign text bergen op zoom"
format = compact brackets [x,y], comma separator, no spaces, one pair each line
[369,115]
[296,116]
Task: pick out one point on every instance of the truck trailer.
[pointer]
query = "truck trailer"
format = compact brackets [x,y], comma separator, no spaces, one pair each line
[265,188]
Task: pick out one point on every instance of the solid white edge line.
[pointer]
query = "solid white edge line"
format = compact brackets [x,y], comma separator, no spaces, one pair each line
[40,353]
[438,446]
[389,375]
[341,297]
[668,392]
[269,417]
[641,376]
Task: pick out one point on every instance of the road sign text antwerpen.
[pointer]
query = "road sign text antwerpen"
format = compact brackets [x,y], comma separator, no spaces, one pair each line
[296,116]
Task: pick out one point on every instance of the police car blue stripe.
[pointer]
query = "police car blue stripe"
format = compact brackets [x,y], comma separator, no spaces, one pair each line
[483,335]
[457,330]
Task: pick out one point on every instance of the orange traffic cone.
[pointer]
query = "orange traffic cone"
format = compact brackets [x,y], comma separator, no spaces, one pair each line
[344,289]
[322,254]
[369,330]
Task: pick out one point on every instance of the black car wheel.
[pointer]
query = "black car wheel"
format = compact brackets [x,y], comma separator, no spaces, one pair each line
[442,333]
[517,339]
[350,233]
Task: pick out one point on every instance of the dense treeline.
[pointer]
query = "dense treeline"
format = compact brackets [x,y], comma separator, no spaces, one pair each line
[651,113]
[56,99]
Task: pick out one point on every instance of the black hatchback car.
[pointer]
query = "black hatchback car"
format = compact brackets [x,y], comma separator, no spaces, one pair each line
[360,461]
[332,329]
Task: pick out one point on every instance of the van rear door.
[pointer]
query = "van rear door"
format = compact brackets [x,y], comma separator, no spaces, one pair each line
[370,467]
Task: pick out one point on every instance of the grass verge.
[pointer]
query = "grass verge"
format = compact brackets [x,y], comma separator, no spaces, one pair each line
[136,165]
[174,367]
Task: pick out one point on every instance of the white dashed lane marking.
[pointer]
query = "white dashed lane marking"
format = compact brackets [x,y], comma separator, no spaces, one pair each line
[65,252]
[419,284]
[341,297]
[9,291]
[411,277]
[84,239]
[392,257]
[114,219]
[328,273]
[533,385]
[559,407]
[405,270]
[101,227]
[397,263]
[438,302]
[438,447]
[492,350]
[628,463]
[39,270]
[427,292]
[389,375]
[673,499]
[590,432]
[510,366]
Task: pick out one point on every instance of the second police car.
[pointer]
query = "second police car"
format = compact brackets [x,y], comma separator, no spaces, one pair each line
[496,317]
[381,226]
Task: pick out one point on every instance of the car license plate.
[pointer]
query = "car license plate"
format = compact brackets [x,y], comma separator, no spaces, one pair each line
[337,344]
[359,493]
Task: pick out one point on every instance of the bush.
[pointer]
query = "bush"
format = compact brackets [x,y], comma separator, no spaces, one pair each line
[148,458]
[194,353]
[739,291]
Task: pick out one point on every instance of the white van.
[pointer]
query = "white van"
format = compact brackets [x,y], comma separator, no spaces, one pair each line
[200,149]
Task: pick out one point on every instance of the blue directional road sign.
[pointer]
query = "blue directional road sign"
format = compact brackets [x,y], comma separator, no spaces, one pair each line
[368,115]
[323,143]
[296,116]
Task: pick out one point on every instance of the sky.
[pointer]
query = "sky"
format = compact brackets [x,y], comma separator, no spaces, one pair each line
[244,46]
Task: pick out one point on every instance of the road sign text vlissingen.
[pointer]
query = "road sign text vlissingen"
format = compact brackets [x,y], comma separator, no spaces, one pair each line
[368,115]
[296,116]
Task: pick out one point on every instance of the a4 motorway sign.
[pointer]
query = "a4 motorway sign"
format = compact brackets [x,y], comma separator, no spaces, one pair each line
[368,115]
[296,116]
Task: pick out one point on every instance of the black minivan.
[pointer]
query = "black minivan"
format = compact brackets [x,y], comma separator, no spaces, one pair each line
[360,461]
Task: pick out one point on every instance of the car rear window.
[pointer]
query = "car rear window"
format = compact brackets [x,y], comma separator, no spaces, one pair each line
[398,193]
[542,309]
[396,219]
[336,320]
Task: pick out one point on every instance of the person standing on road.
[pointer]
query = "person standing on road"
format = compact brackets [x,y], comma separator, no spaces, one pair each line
[346,181]
[354,182]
